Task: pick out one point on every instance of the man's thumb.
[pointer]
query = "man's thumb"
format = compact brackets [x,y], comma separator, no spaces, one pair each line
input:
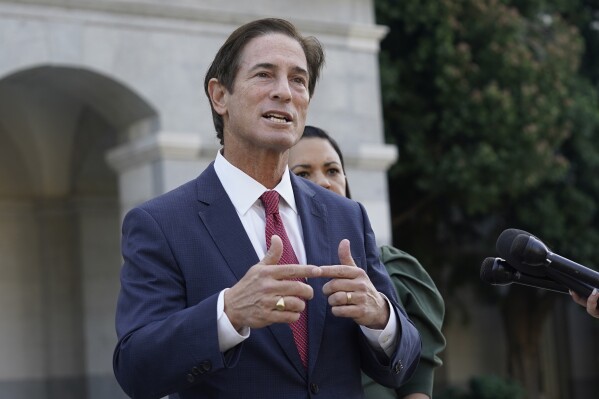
[274,253]
[345,253]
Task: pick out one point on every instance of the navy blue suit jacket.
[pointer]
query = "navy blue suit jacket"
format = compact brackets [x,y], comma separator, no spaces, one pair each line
[182,248]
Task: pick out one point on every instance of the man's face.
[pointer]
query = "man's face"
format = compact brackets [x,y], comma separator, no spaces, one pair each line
[267,108]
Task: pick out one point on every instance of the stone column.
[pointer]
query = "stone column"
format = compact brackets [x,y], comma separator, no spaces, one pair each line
[151,165]
[366,171]
[63,357]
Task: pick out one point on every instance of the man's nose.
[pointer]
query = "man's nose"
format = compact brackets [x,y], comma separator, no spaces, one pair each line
[282,90]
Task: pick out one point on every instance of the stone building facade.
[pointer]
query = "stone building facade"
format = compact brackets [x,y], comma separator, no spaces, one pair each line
[101,107]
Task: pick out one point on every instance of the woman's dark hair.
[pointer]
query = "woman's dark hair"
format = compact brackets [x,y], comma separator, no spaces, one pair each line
[225,65]
[313,131]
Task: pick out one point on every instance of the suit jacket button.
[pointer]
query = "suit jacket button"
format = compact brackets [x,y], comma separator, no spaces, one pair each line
[398,367]
[314,388]
[206,365]
[195,371]
[190,378]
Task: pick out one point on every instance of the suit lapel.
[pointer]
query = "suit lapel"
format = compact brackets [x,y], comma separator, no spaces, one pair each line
[313,216]
[220,218]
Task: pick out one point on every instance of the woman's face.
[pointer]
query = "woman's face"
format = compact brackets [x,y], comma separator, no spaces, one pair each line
[315,159]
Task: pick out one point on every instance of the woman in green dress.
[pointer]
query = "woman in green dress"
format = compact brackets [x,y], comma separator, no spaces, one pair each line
[317,157]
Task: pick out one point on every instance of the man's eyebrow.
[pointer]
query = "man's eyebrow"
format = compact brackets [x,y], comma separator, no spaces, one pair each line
[300,70]
[270,66]
[263,65]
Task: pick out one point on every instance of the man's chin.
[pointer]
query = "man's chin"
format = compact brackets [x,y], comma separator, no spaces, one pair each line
[283,140]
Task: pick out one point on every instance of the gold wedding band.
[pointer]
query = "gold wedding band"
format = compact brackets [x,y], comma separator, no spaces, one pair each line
[280,306]
[348,298]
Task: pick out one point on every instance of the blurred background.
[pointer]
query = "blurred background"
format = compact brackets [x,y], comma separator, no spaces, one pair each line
[458,119]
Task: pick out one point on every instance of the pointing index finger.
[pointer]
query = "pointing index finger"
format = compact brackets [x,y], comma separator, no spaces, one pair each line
[340,271]
[285,272]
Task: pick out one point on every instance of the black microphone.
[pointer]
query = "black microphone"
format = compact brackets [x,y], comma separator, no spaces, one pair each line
[532,252]
[504,249]
[497,271]
[582,289]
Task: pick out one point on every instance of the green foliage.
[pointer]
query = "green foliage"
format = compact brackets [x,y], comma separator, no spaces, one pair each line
[494,122]
[493,105]
[569,206]
[486,387]
[493,387]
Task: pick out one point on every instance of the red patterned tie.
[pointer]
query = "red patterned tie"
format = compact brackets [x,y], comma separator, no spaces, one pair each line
[274,225]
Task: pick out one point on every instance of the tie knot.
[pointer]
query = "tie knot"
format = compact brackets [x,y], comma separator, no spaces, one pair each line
[270,200]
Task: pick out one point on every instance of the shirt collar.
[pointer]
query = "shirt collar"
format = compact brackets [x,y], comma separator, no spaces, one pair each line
[244,191]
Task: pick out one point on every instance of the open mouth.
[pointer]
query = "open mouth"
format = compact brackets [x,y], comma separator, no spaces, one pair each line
[277,118]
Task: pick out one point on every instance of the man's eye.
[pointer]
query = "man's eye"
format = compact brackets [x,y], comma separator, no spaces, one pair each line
[305,175]
[300,81]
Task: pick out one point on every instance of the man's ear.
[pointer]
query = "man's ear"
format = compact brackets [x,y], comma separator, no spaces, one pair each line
[218,96]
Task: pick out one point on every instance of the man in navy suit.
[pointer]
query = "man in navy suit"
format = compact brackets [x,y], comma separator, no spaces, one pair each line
[209,300]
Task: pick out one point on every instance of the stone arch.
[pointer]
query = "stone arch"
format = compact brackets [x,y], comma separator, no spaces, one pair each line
[59,223]
[47,112]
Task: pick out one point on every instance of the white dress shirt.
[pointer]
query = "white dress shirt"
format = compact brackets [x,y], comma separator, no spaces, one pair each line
[244,192]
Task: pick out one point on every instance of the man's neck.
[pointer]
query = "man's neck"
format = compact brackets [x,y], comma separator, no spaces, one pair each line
[266,167]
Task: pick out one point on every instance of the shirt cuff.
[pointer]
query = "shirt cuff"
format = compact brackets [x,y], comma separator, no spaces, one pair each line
[385,339]
[228,336]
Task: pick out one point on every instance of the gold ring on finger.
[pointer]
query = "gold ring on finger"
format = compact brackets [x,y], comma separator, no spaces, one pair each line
[280,306]
[348,298]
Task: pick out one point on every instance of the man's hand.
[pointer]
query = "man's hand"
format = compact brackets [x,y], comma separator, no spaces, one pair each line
[352,294]
[252,301]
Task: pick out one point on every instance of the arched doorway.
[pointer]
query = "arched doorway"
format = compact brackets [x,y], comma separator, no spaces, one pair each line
[59,229]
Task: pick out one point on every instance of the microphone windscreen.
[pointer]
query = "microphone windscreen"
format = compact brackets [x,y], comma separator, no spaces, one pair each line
[529,250]
[519,246]
[504,248]
[505,240]
[486,270]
